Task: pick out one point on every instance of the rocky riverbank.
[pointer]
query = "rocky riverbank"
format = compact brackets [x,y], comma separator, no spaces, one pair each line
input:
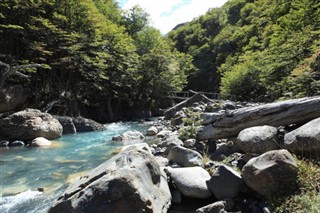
[216,175]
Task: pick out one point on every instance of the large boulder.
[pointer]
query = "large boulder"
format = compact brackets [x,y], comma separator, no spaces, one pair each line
[225,183]
[185,157]
[259,139]
[11,97]
[30,124]
[67,124]
[191,181]
[304,139]
[129,182]
[271,173]
[87,125]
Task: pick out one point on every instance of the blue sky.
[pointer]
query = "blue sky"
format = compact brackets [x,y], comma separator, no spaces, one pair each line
[166,14]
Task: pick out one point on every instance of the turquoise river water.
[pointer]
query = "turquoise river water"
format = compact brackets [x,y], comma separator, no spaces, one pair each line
[25,170]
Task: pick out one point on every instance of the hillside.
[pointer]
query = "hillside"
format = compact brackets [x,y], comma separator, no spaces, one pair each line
[259,50]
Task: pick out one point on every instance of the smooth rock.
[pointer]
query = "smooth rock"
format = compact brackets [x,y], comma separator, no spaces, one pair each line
[87,125]
[189,143]
[185,157]
[67,124]
[191,181]
[225,183]
[169,142]
[30,124]
[17,144]
[129,136]
[304,139]
[143,146]
[4,143]
[259,139]
[271,173]
[40,141]
[129,182]
[152,131]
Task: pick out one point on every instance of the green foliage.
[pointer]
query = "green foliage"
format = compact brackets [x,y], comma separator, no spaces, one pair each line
[253,47]
[92,53]
[191,124]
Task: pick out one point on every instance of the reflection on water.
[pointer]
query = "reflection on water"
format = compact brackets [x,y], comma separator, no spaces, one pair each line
[28,169]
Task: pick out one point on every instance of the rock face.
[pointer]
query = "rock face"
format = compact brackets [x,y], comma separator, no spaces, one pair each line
[304,139]
[129,182]
[191,182]
[259,139]
[225,183]
[185,157]
[11,97]
[129,136]
[30,124]
[40,142]
[86,125]
[67,124]
[271,173]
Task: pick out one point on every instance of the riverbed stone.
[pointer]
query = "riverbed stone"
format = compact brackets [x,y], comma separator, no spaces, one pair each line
[17,144]
[271,173]
[185,157]
[259,139]
[304,139]
[87,125]
[225,183]
[4,144]
[152,131]
[133,136]
[40,142]
[67,124]
[30,124]
[129,182]
[216,207]
[190,181]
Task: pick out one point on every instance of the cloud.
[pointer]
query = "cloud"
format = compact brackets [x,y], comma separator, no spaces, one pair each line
[166,14]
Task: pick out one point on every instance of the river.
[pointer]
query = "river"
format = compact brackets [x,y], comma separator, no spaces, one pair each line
[31,179]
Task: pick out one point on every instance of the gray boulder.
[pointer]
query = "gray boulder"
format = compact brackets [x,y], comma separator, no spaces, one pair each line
[169,142]
[259,139]
[129,137]
[67,124]
[129,182]
[185,157]
[30,124]
[87,125]
[271,173]
[304,139]
[225,183]
[17,144]
[152,131]
[216,207]
[11,97]
[191,181]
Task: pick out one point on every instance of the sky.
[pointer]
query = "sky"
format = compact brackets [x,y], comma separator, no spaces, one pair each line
[166,14]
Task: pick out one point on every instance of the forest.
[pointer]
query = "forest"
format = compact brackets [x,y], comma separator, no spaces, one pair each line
[105,63]
[257,50]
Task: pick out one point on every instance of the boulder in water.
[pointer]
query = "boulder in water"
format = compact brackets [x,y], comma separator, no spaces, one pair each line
[129,136]
[87,125]
[129,182]
[30,124]
[67,124]
[40,142]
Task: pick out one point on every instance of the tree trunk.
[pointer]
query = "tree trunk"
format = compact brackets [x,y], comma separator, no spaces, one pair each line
[273,114]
